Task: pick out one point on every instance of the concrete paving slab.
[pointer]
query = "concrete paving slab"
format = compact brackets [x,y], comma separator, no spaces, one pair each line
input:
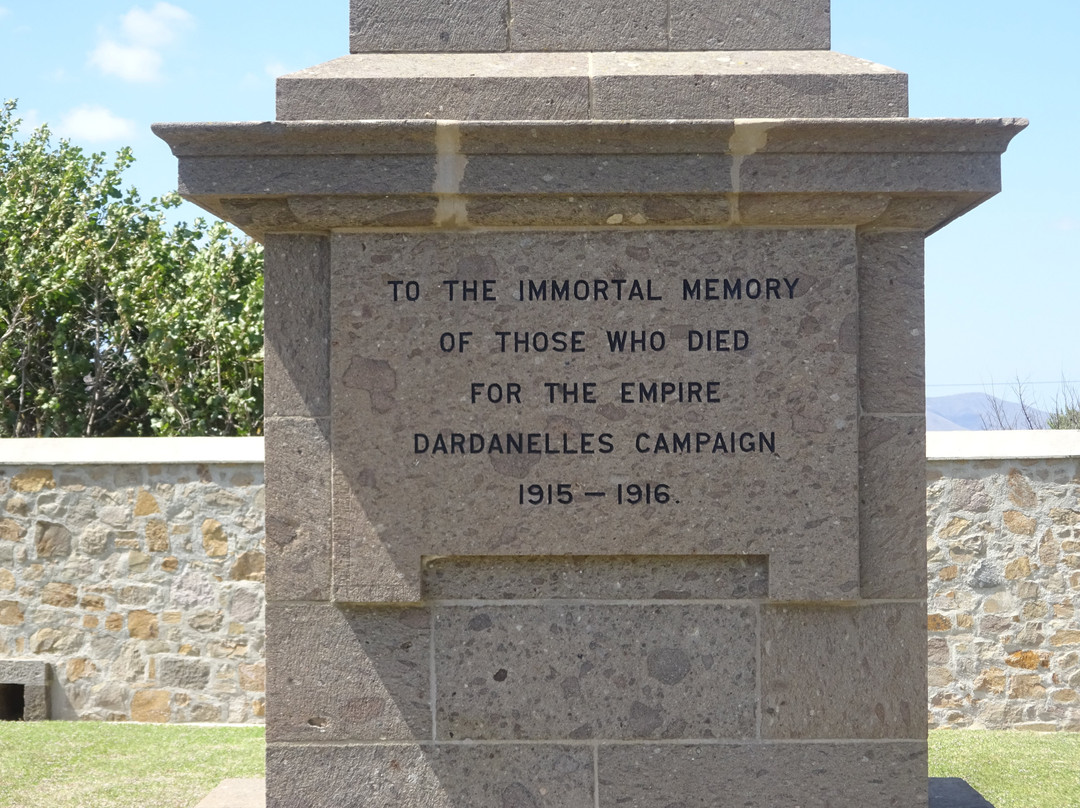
[952,792]
[237,792]
[250,792]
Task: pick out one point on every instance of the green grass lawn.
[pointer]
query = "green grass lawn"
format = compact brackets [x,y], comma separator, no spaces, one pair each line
[57,764]
[1012,769]
[90,765]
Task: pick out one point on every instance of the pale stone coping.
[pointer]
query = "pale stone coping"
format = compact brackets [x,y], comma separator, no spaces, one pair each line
[128,451]
[1021,444]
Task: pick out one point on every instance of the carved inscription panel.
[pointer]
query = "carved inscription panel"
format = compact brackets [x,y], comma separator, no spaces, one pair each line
[521,393]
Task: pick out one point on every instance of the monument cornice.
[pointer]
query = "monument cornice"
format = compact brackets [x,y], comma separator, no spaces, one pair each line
[319,176]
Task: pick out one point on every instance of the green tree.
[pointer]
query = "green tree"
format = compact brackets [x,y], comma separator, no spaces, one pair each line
[111,321]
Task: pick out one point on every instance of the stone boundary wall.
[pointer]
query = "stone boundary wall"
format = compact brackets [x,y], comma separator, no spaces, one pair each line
[134,567]
[1003,540]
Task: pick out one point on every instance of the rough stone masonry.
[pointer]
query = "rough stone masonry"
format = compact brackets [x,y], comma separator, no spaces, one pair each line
[595,405]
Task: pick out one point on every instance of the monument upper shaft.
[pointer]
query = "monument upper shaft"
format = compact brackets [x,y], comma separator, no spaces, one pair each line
[443,26]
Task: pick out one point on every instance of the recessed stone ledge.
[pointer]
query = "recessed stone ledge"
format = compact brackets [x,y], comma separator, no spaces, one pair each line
[539,64]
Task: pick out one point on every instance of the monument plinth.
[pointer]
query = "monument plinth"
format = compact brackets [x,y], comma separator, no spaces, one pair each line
[595,406]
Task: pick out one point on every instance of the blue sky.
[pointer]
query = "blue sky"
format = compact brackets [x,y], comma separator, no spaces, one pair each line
[1003,283]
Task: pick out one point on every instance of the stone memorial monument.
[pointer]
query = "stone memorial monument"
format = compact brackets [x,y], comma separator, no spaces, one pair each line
[595,432]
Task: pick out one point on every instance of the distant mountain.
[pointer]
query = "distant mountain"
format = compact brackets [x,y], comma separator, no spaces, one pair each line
[966,411]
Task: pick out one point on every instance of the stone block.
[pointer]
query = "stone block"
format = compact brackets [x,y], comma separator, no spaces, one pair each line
[701,577]
[844,672]
[801,210]
[157,536]
[853,774]
[384,26]
[589,25]
[304,137]
[259,217]
[35,703]
[509,775]
[597,174]
[362,211]
[253,677]
[338,673]
[215,540]
[297,338]
[755,84]
[250,566]
[10,530]
[739,25]
[60,595]
[297,509]
[186,674]
[24,672]
[151,706]
[892,342]
[571,210]
[766,172]
[142,625]
[595,671]
[396,394]
[316,174]
[892,514]
[33,481]
[145,504]
[51,540]
[591,138]
[512,86]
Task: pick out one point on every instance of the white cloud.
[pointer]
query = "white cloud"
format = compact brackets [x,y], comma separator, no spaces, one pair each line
[31,120]
[275,69]
[136,54]
[95,124]
[4,12]
[1068,224]
[160,26]
[128,62]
